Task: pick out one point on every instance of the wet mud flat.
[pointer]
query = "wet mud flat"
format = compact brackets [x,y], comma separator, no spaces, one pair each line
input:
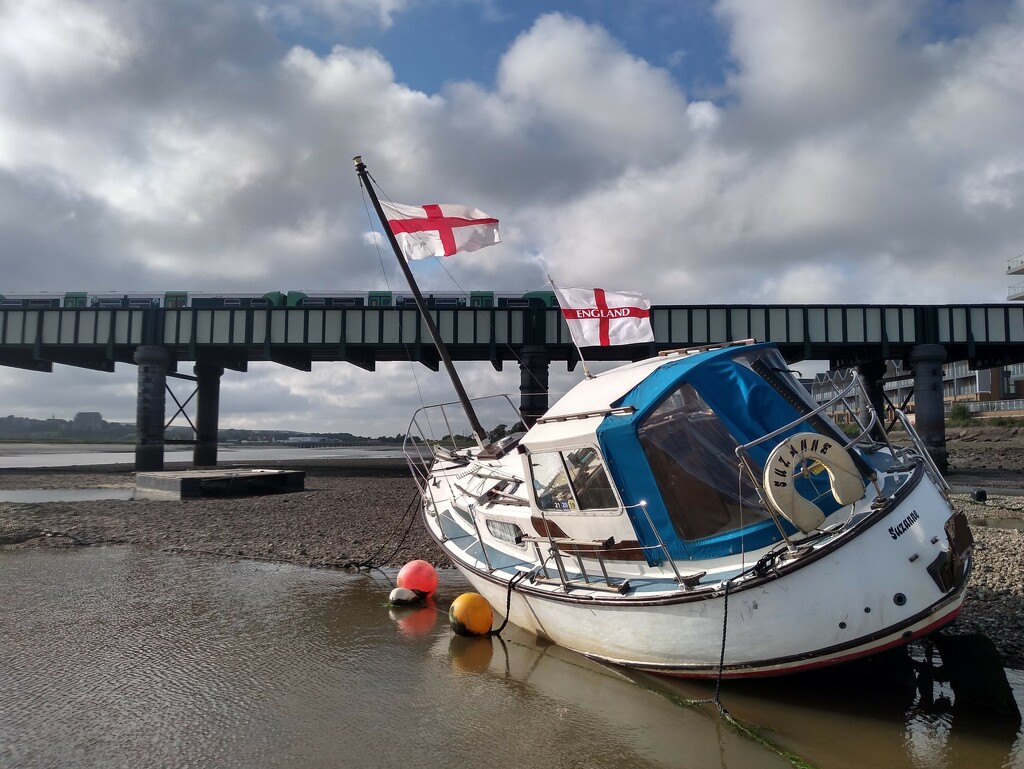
[356,512]
[350,512]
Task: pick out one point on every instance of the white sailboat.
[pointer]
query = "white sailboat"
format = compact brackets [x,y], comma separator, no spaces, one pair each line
[697,514]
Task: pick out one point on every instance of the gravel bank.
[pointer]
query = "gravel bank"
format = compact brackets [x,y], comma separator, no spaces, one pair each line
[349,513]
[354,511]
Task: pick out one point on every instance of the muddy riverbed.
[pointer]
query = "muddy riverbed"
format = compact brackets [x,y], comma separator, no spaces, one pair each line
[358,512]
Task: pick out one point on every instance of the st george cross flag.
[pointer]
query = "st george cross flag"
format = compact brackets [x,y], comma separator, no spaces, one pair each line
[440,230]
[602,318]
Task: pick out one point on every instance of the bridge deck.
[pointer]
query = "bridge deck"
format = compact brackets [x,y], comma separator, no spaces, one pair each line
[985,335]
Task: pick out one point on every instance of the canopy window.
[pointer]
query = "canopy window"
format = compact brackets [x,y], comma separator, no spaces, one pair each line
[693,460]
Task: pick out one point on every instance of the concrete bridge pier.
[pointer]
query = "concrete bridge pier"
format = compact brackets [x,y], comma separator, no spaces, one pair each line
[153,362]
[871,374]
[533,383]
[208,375]
[929,415]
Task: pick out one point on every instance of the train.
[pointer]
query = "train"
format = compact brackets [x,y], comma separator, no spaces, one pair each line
[344,299]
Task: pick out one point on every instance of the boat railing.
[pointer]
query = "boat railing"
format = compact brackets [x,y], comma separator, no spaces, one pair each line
[921,451]
[867,429]
[744,449]
[433,433]
[596,550]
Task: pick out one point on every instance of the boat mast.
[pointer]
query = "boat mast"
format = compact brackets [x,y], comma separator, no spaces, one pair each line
[421,305]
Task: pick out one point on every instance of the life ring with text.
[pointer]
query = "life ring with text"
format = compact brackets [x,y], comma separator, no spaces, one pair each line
[802,455]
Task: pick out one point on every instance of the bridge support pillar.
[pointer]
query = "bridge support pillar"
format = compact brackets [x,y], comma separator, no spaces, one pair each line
[533,383]
[871,374]
[208,375]
[929,416]
[152,361]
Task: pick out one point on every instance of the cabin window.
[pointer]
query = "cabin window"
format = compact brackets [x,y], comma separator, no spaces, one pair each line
[692,457]
[572,480]
[507,532]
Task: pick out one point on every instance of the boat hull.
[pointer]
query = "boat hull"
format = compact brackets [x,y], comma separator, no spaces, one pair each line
[869,590]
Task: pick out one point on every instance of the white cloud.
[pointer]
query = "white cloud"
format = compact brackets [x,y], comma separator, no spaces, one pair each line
[49,38]
[305,14]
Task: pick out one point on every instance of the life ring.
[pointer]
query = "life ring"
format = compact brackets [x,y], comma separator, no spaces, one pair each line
[798,456]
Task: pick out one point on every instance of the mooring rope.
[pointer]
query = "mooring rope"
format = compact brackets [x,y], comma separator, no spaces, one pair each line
[513,581]
[368,563]
[716,700]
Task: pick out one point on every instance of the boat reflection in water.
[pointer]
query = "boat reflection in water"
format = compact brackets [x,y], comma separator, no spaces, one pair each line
[863,715]
[599,707]
[117,656]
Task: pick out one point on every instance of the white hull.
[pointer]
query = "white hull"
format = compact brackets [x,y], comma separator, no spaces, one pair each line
[676,549]
[825,610]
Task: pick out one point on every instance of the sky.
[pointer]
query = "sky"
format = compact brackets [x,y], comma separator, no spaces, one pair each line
[793,151]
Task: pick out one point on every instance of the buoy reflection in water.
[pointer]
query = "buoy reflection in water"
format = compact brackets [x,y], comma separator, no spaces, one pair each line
[470,654]
[123,657]
[415,621]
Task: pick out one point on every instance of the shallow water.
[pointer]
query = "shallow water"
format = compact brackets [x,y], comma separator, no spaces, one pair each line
[124,657]
[72,455]
[999,523]
[63,495]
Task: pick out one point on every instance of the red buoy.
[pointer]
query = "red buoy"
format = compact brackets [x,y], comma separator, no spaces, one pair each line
[419,576]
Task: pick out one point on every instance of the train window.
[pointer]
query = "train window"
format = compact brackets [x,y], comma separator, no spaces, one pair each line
[481,299]
[513,302]
[232,301]
[261,301]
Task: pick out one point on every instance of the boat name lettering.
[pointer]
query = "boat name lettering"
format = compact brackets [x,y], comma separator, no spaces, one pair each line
[901,528]
[794,451]
[812,446]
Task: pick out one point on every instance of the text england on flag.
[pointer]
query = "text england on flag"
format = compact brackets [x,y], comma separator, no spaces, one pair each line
[603,318]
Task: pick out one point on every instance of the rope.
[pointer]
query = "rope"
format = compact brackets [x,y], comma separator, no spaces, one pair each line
[368,563]
[516,579]
[382,194]
[721,657]
[716,700]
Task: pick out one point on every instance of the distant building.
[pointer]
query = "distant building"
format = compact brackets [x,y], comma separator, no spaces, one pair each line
[1015,266]
[88,420]
[988,392]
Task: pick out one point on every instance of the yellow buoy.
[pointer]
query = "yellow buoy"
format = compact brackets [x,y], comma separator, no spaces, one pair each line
[471,615]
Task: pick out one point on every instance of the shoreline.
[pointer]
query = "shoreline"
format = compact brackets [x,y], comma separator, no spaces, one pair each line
[358,510]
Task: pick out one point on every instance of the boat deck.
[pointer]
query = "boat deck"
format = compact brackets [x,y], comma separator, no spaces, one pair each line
[503,562]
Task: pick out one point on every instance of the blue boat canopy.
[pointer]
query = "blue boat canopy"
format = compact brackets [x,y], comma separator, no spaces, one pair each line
[673,457]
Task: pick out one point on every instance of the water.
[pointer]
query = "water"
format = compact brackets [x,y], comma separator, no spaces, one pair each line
[999,523]
[73,455]
[123,657]
[63,495]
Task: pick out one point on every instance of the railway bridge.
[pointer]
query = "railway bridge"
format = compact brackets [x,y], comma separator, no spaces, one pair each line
[159,339]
